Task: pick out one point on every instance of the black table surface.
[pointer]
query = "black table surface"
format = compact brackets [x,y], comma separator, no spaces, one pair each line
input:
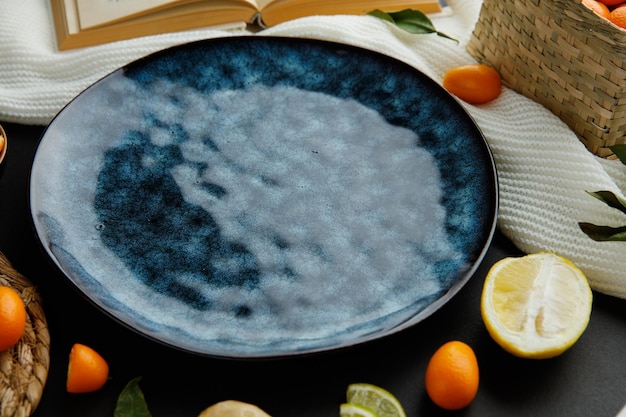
[587,380]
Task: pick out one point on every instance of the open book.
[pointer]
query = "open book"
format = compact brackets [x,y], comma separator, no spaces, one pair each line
[80,23]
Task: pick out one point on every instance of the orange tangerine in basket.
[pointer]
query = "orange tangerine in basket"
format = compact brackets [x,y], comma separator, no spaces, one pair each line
[598,8]
[12,317]
[611,2]
[618,16]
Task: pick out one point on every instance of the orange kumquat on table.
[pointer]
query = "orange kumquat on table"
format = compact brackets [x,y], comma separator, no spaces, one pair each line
[452,376]
[473,83]
[87,370]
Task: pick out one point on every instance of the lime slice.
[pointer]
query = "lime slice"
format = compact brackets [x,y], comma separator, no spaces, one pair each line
[381,401]
[536,306]
[355,410]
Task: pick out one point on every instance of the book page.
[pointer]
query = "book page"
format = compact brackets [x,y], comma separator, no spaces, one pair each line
[94,13]
[71,16]
[262,3]
[278,11]
[97,12]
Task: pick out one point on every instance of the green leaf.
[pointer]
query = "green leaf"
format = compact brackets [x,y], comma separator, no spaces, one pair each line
[603,233]
[131,402]
[410,20]
[610,199]
[414,20]
[381,15]
[619,151]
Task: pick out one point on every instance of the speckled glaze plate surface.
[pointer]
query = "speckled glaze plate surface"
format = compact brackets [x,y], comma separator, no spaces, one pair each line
[256,197]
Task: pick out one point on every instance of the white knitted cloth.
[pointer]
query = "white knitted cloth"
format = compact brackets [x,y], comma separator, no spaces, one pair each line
[543,168]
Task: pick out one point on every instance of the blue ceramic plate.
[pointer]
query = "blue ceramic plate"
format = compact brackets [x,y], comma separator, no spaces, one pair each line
[257,197]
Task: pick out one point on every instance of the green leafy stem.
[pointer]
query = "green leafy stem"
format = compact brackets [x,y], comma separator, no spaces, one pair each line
[410,20]
[608,233]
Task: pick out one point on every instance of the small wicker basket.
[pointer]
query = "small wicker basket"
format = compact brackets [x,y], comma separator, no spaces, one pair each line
[562,55]
[24,367]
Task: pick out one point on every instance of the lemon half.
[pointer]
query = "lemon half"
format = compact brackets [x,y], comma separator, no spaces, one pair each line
[536,306]
[233,408]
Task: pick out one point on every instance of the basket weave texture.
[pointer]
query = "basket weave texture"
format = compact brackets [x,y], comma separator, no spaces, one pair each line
[24,367]
[562,55]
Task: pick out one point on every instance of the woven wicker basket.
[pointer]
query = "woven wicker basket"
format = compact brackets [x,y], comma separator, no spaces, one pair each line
[562,55]
[24,367]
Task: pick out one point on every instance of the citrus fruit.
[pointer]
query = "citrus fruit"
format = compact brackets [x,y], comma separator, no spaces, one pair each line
[473,83]
[618,16]
[87,370]
[233,408]
[598,8]
[452,376]
[377,399]
[355,410]
[536,306]
[612,2]
[12,317]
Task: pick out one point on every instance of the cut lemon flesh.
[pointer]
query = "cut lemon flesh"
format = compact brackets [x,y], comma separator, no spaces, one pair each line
[536,306]
[355,410]
[379,400]
[233,408]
